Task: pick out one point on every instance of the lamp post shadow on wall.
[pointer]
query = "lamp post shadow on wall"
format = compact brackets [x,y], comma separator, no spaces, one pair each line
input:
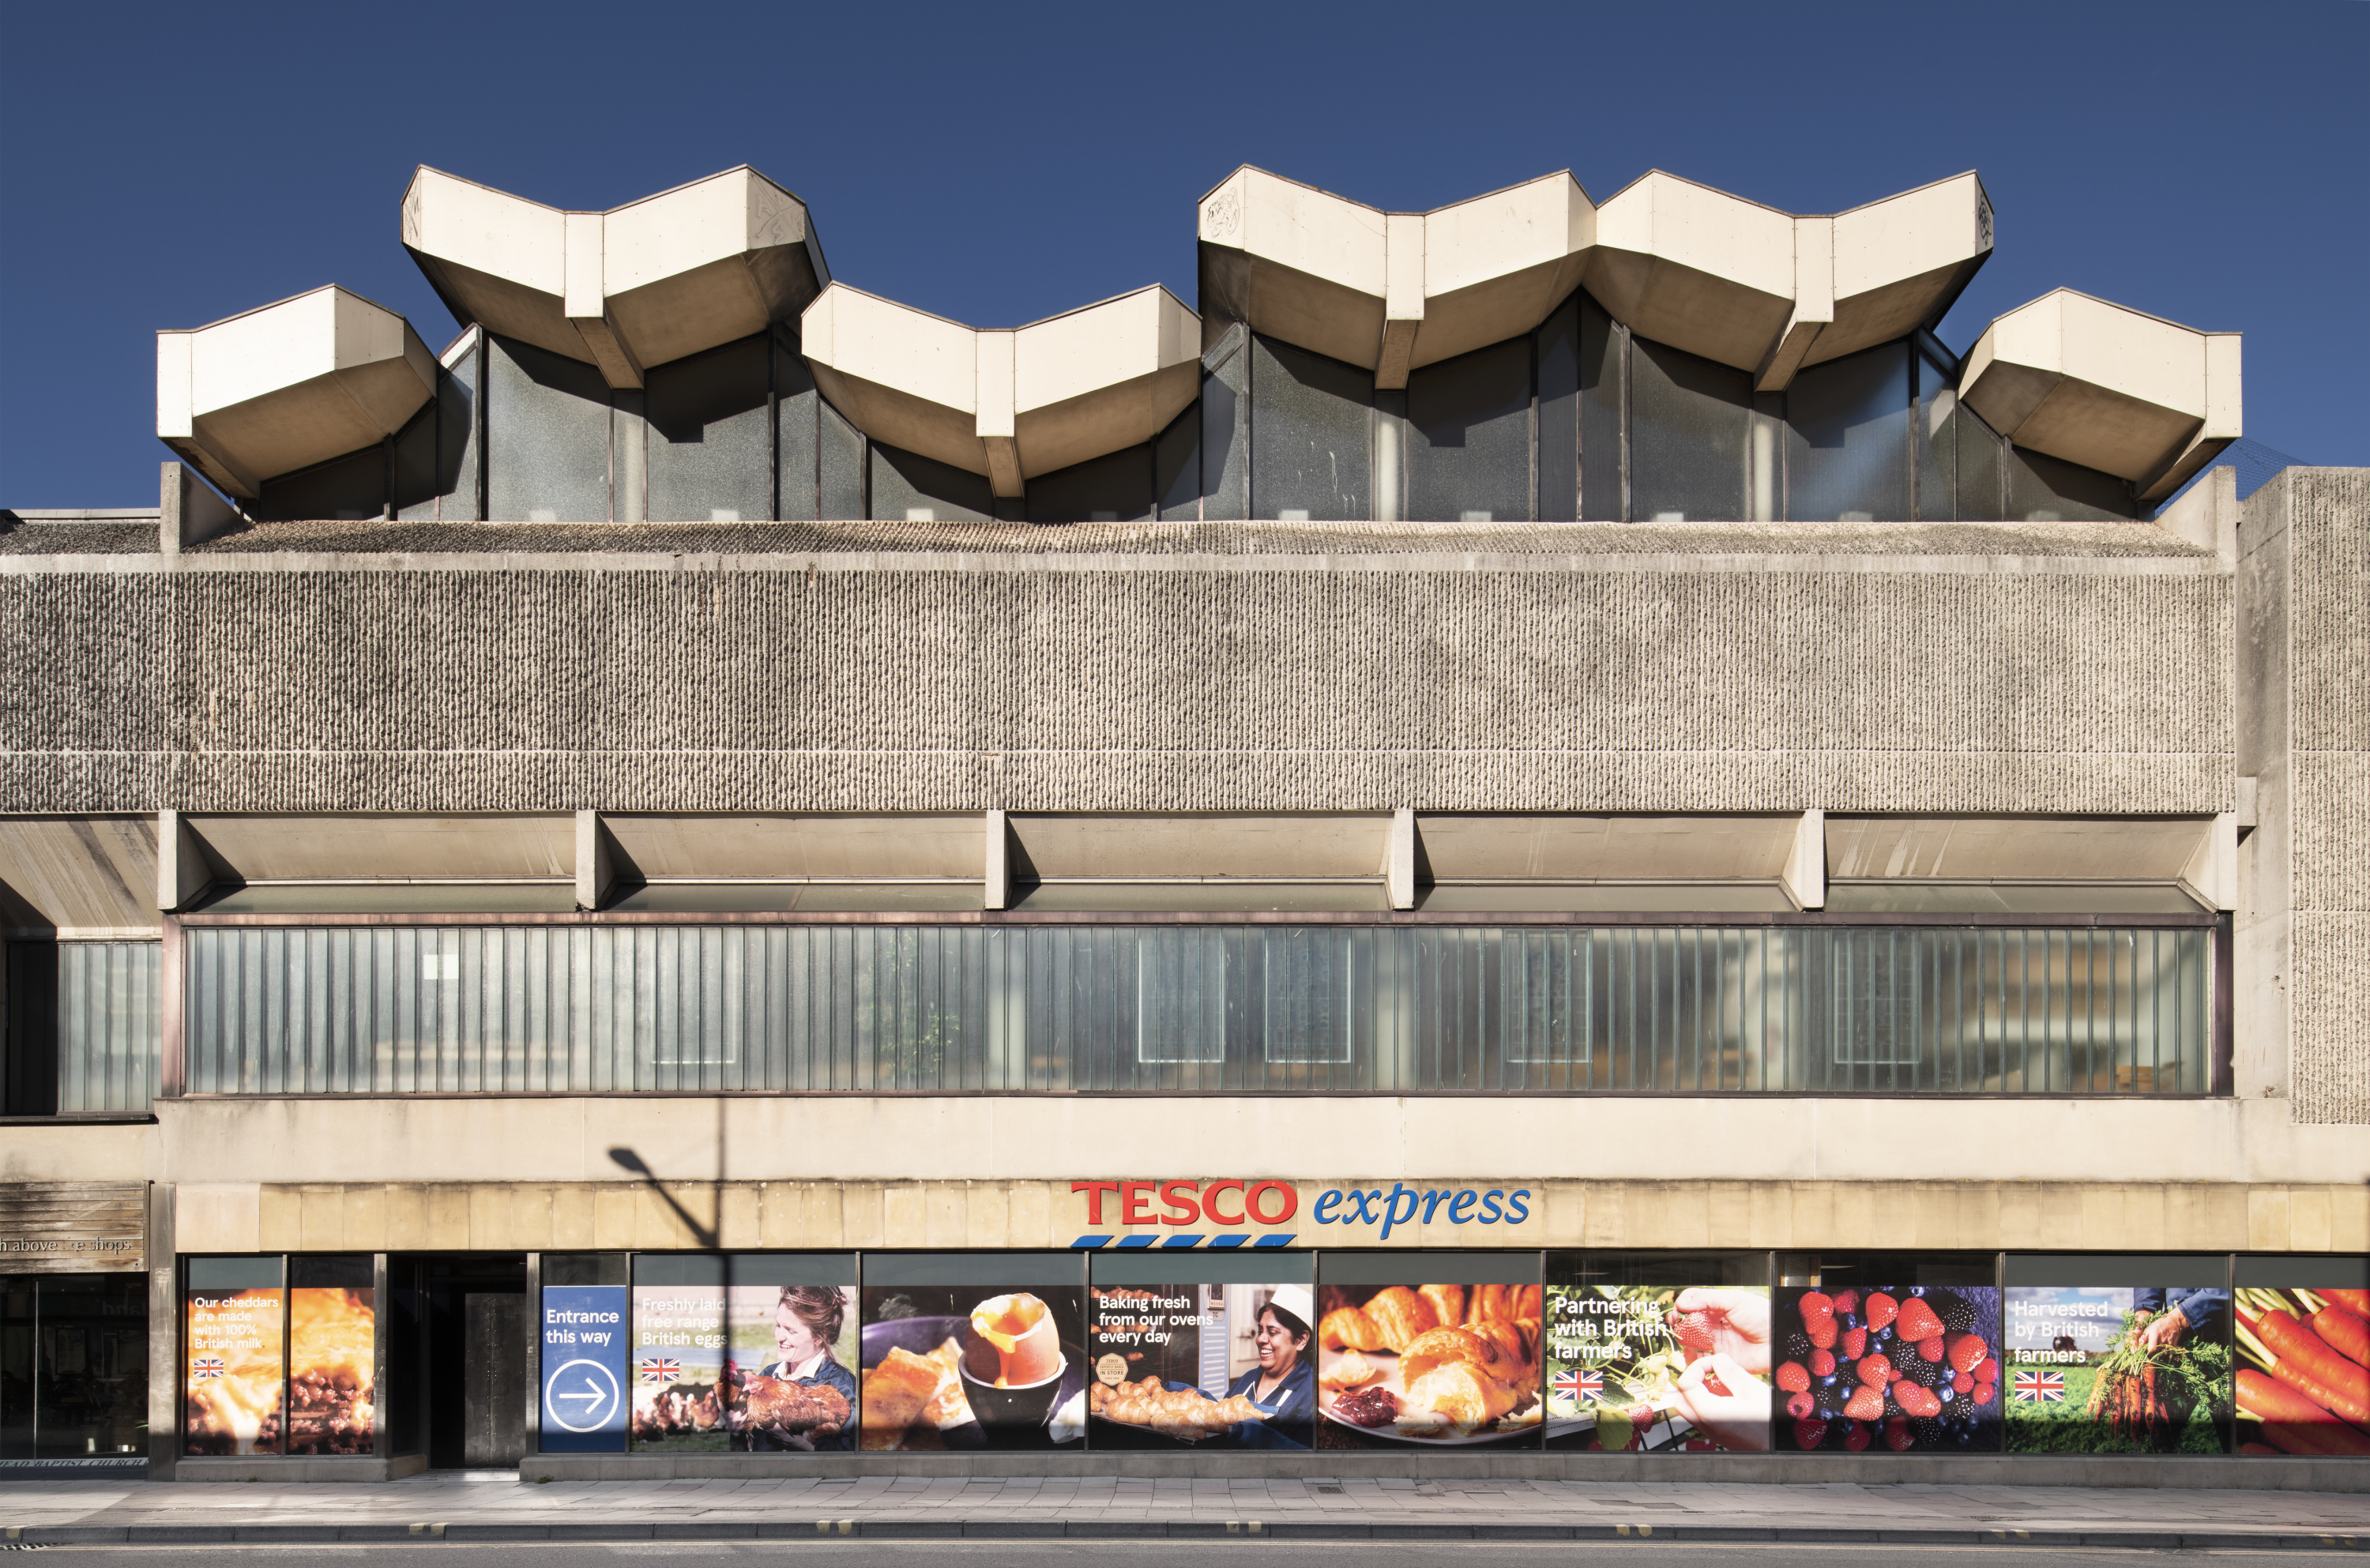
[706,1236]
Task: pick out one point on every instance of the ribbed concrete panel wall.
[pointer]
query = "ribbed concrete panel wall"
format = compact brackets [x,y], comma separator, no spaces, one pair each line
[1143,681]
[2329,730]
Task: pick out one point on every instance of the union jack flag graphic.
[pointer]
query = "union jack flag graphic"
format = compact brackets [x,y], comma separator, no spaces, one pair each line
[205,1368]
[2046,1387]
[661,1369]
[1580,1385]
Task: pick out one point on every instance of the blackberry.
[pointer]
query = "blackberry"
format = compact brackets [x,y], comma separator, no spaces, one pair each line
[1797,1347]
[1930,1433]
[1958,1314]
[1924,1373]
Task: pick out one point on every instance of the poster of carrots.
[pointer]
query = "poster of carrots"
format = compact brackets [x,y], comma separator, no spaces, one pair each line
[2118,1369]
[2304,1372]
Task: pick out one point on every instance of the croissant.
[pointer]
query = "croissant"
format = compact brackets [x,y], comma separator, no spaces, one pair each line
[1462,1393]
[1447,1301]
[1173,1412]
[1350,1327]
[1347,1371]
[1476,1347]
[1398,1315]
[1488,1302]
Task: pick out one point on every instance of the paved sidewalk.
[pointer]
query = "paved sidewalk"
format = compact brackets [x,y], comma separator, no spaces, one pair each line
[498,1507]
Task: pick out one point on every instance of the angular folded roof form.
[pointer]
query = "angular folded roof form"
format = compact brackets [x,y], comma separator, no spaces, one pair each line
[2107,386]
[1679,262]
[636,286]
[286,385]
[1010,404]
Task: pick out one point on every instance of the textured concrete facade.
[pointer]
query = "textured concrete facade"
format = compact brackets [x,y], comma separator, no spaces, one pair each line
[2305,674]
[2037,668]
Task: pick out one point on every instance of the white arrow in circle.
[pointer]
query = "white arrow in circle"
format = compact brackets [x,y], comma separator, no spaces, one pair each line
[591,1391]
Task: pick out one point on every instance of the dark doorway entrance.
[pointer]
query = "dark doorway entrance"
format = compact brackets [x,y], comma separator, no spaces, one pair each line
[467,1329]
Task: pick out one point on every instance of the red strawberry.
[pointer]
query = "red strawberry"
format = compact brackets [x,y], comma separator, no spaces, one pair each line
[1854,1343]
[1865,1403]
[1897,1435]
[1823,1363]
[1964,1351]
[1693,1329]
[1800,1406]
[1793,1377]
[1810,1434]
[1822,1333]
[1986,1370]
[1880,1309]
[1984,1392]
[1846,1300]
[1916,1320]
[1918,1400]
[1931,1349]
[1961,1384]
[1814,1305]
[1855,1436]
[1711,1381]
[1875,1371]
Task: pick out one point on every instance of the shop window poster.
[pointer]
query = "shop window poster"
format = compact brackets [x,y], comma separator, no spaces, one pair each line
[1202,1366]
[2098,1370]
[1887,1369]
[997,1365]
[332,1371]
[234,1373]
[790,1367]
[1433,1365]
[2304,1372]
[1658,1368]
[677,1364]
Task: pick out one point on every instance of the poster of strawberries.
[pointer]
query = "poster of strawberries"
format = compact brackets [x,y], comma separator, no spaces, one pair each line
[1888,1368]
[2304,1371]
[1658,1368]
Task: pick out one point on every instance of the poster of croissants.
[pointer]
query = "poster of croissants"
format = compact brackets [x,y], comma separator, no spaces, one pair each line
[994,1364]
[1427,1364]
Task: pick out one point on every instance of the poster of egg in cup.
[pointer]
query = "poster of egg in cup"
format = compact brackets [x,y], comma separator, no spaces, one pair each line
[1432,1349]
[964,1350]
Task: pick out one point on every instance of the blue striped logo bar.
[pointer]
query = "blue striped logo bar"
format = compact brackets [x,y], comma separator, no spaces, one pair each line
[1090,1243]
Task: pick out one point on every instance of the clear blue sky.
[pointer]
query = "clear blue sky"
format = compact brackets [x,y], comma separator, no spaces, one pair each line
[169,166]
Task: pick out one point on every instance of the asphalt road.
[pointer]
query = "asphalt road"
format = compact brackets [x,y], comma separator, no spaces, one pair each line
[1183,1554]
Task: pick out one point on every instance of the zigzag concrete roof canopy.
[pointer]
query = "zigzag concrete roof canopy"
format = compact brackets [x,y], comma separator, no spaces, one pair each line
[1010,404]
[1679,262]
[636,286]
[286,385]
[2111,388]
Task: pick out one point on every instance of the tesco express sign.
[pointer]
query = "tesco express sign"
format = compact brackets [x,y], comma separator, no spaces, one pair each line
[1231,1202]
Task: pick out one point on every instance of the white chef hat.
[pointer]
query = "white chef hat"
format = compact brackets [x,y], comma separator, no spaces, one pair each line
[1294,1299]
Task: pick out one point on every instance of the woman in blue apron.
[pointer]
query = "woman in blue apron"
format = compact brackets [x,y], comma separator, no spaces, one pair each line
[1284,1382]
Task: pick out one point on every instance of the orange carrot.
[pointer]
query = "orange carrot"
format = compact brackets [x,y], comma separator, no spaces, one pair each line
[2309,1366]
[2355,1301]
[2292,1423]
[2345,1333]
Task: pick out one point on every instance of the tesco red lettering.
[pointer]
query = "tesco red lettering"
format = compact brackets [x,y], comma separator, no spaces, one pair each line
[1094,1191]
[1291,1201]
[1176,1195]
[1210,1204]
[1133,1197]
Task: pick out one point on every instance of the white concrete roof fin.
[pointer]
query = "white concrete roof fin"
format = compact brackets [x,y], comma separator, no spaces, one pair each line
[1011,403]
[1389,292]
[2112,388]
[637,286]
[289,384]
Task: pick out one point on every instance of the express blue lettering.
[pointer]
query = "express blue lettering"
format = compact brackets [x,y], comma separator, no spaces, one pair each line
[1491,1209]
[1462,1205]
[1325,1204]
[1391,1215]
[1517,1210]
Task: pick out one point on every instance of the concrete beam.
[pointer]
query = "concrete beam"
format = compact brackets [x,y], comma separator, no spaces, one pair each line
[183,872]
[1805,876]
[995,882]
[1815,303]
[2210,874]
[595,865]
[187,510]
[1399,864]
[79,876]
[1402,299]
[2207,516]
[994,418]
[586,302]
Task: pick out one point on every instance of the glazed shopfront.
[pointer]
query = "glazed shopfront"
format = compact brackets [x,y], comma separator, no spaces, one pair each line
[1230,1326]
[74,1329]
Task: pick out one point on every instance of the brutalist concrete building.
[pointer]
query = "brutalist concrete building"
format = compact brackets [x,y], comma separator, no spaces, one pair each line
[1547,838]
